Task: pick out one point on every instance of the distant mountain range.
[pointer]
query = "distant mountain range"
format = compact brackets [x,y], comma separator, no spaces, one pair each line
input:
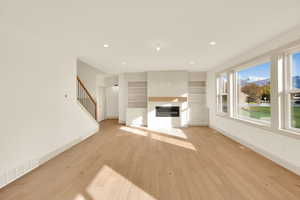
[296,82]
[259,82]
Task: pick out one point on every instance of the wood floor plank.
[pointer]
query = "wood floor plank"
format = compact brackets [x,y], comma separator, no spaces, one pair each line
[127,163]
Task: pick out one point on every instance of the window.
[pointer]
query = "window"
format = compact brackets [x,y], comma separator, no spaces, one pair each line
[222,93]
[294,91]
[253,93]
[244,92]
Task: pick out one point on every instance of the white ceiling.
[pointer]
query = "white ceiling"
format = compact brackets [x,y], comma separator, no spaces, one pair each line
[183,29]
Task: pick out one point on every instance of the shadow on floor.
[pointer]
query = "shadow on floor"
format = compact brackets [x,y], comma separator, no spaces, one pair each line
[133,163]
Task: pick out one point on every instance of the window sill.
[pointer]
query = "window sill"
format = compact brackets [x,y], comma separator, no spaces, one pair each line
[290,133]
[262,125]
[265,126]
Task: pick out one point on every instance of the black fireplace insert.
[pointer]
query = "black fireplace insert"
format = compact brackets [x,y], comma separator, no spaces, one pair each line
[167,111]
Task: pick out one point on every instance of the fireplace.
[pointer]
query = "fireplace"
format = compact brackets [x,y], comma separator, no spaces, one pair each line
[167,111]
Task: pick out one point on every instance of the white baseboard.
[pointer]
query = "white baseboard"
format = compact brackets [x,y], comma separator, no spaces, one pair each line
[19,171]
[198,123]
[270,156]
[111,117]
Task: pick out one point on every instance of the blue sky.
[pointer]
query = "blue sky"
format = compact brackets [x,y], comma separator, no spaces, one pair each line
[262,71]
[296,64]
[255,73]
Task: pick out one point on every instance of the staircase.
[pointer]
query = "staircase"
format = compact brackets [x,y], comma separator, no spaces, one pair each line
[86,99]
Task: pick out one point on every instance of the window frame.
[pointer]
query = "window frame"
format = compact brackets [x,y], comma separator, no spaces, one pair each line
[288,89]
[235,103]
[280,59]
[220,94]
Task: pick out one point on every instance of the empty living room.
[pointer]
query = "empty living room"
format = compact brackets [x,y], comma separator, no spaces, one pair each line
[150,100]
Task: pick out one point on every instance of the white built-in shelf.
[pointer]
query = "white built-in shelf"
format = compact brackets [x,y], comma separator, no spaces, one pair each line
[197,91]
[137,94]
[197,103]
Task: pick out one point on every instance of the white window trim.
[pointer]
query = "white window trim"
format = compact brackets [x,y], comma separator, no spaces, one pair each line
[235,103]
[276,91]
[219,94]
[279,123]
[288,90]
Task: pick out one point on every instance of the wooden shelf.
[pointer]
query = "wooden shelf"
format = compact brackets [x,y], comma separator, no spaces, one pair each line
[167,99]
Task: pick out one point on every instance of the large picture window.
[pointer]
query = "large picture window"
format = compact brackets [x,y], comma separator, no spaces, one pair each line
[294,91]
[223,93]
[253,93]
[244,91]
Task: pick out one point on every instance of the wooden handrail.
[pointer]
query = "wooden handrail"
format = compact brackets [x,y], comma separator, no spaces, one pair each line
[81,83]
[95,109]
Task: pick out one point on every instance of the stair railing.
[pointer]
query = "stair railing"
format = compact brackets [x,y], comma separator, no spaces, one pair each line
[86,99]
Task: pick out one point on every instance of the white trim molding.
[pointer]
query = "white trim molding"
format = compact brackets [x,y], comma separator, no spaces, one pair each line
[13,174]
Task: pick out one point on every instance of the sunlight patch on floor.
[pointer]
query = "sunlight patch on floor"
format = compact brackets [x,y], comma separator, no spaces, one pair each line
[134,131]
[169,131]
[79,197]
[109,184]
[177,132]
[159,137]
[173,141]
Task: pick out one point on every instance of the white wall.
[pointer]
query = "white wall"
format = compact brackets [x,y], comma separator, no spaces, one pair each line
[111,96]
[101,96]
[282,149]
[197,76]
[167,84]
[101,104]
[40,115]
[123,98]
[110,81]
[123,91]
[112,102]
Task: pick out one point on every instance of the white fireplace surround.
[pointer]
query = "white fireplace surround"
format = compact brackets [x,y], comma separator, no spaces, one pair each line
[167,122]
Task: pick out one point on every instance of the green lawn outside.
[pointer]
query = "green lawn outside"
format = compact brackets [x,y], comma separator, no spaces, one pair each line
[295,112]
[257,112]
[264,113]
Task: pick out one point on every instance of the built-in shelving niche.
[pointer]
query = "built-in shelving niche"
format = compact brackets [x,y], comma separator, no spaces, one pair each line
[197,103]
[197,91]
[137,94]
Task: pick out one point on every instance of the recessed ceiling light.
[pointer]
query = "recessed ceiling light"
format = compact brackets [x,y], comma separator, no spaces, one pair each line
[212,43]
[106,45]
[157,48]
[124,63]
[192,62]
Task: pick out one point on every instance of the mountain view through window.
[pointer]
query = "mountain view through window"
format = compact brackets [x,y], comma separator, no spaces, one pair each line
[254,90]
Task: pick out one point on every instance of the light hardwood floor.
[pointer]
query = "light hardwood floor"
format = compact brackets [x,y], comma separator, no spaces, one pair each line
[132,163]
